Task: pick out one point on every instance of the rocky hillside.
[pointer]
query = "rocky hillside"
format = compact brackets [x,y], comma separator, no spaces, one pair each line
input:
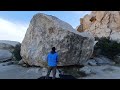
[102,24]
[46,31]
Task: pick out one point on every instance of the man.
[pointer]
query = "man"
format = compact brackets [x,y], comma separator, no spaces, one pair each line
[52,60]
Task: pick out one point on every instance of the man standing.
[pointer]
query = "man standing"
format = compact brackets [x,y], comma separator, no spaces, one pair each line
[52,60]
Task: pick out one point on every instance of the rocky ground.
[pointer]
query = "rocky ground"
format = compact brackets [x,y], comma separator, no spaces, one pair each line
[14,71]
[18,72]
[103,72]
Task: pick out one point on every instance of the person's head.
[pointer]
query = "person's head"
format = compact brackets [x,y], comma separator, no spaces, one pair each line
[53,49]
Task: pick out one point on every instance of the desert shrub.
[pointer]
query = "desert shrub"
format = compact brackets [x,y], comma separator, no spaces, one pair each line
[108,47]
[16,52]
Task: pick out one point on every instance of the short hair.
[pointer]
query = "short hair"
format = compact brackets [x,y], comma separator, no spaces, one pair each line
[53,48]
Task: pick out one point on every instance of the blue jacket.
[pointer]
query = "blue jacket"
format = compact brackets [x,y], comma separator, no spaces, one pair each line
[52,59]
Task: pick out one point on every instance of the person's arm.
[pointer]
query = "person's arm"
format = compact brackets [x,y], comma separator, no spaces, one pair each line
[57,58]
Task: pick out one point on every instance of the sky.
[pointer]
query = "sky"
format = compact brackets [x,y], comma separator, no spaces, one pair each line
[13,24]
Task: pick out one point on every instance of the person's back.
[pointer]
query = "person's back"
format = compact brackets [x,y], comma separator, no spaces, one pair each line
[52,59]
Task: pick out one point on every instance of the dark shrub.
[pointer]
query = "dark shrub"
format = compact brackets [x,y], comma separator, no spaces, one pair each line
[16,52]
[108,47]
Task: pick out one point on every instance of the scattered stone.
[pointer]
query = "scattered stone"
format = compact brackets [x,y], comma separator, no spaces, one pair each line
[21,62]
[102,60]
[86,70]
[92,62]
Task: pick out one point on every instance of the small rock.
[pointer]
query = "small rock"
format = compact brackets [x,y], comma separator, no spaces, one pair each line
[9,63]
[15,62]
[103,61]
[85,70]
[20,62]
[24,65]
[92,62]
[3,65]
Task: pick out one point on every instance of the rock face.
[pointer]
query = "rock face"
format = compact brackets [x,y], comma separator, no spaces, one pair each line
[46,31]
[5,55]
[102,24]
[8,49]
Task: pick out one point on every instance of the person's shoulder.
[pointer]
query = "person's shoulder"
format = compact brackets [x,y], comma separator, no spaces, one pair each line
[56,53]
[49,53]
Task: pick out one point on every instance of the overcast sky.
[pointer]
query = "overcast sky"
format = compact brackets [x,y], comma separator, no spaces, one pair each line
[13,24]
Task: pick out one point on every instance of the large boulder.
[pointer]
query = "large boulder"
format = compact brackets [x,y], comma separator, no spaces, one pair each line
[46,31]
[5,55]
[102,24]
[9,50]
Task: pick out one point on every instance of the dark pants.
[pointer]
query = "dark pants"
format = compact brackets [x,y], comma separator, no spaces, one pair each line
[53,69]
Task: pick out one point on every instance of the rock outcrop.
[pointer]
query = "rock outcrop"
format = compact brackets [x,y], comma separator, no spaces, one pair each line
[8,50]
[5,55]
[46,31]
[102,24]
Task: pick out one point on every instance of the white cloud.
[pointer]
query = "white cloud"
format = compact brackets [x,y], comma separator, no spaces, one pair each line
[15,31]
[11,30]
